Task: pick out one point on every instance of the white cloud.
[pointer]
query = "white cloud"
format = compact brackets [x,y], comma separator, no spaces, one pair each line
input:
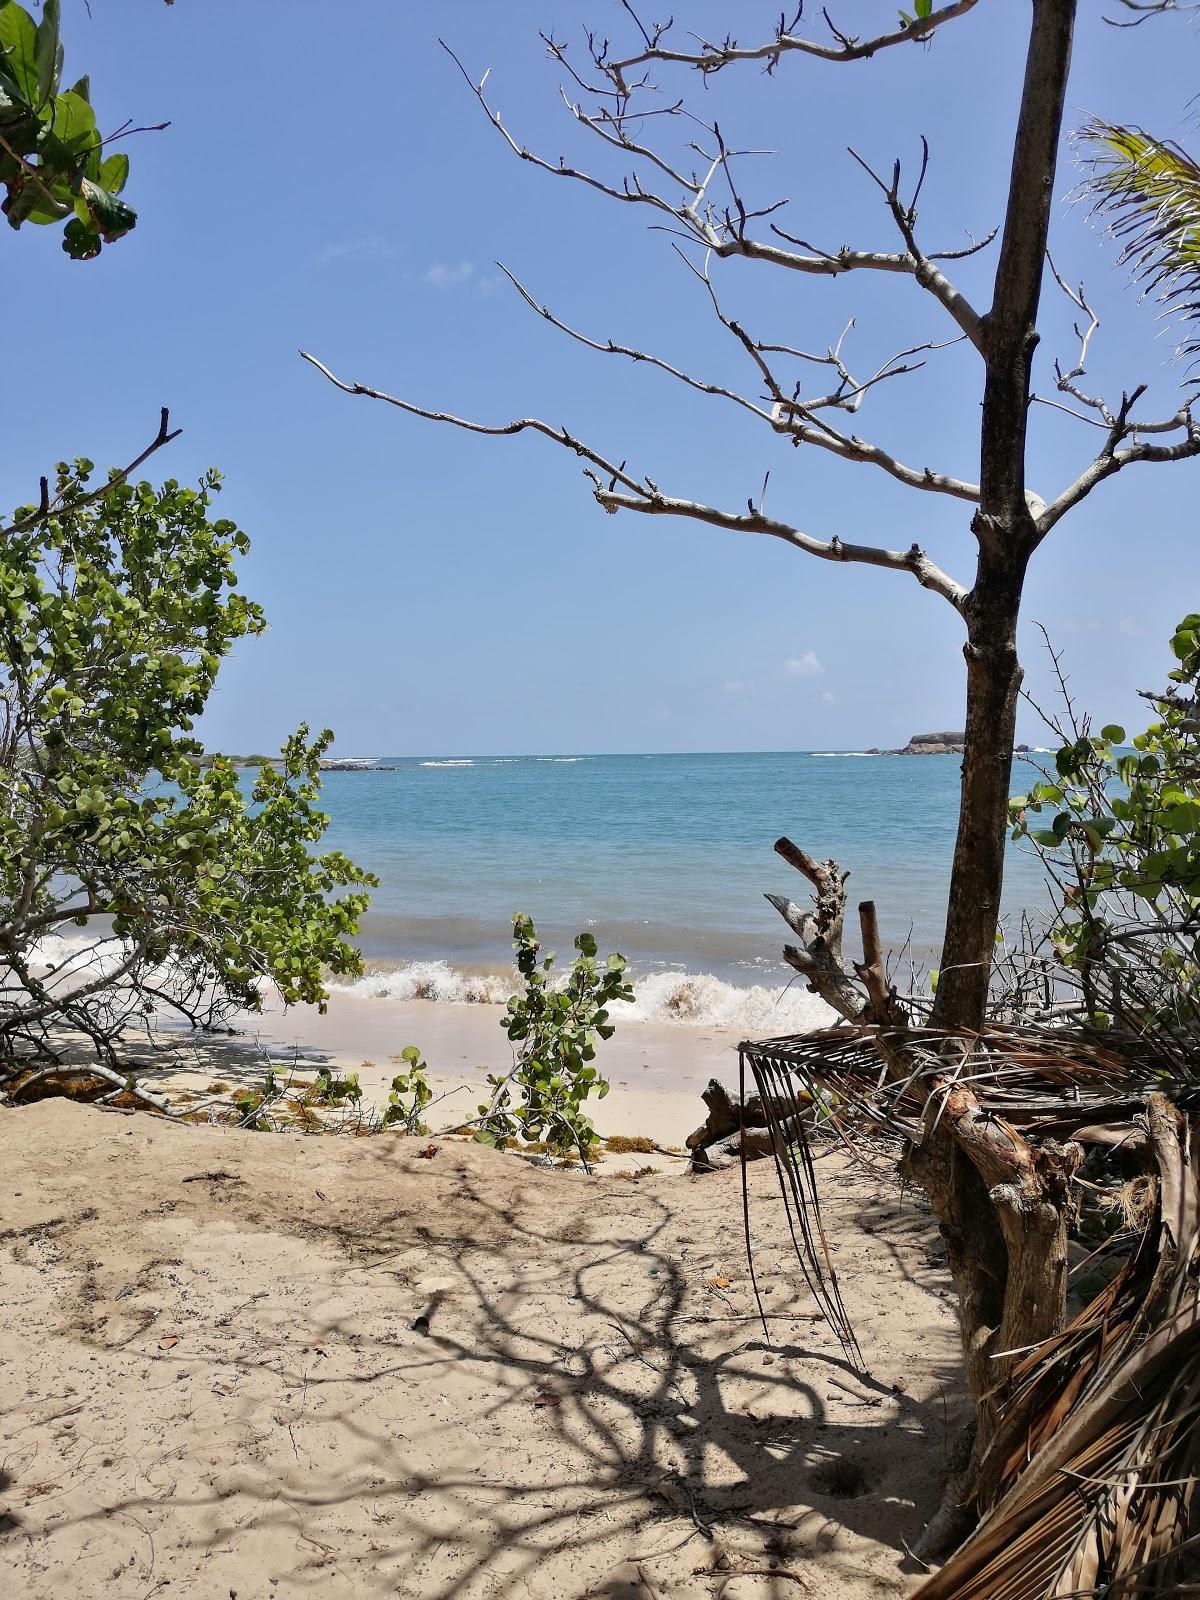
[448,274]
[369,248]
[828,696]
[809,665]
[735,686]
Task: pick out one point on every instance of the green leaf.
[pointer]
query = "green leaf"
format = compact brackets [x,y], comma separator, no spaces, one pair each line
[110,217]
[74,124]
[113,173]
[19,42]
[80,242]
[923,8]
[48,52]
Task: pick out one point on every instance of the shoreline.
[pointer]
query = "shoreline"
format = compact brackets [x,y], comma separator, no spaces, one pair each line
[656,1070]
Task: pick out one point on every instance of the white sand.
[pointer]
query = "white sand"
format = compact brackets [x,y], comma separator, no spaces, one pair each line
[215,1379]
[656,1069]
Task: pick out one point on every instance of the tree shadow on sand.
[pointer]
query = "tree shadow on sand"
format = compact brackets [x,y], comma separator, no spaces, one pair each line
[525,1383]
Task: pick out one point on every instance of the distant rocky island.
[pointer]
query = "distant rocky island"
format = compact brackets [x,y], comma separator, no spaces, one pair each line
[935,744]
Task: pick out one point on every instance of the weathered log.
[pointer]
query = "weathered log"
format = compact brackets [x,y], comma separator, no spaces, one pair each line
[754,1144]
[726,1114]
[819,957]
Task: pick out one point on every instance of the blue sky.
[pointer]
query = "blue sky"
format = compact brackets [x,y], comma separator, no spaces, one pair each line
[329,182]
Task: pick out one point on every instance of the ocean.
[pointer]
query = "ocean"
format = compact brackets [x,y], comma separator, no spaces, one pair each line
[663,857]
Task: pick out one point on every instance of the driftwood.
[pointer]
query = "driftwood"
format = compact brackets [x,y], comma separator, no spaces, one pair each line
[720,1140]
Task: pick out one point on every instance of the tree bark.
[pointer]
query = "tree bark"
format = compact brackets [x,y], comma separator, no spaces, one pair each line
[1003,1206]
[1004,526]
[977,876]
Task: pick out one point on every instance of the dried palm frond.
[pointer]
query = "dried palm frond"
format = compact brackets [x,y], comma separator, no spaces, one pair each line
[1097,1461]
[1090,1479]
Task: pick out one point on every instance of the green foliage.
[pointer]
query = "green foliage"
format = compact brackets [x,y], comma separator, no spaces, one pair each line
[1148,190]
[410,1093]
[1119,830]
[117,607]
[328,1089]
[251,1104]
[556,1031]
[52,160]
[921,12]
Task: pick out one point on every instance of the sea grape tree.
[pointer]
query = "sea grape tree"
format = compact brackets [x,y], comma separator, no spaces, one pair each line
[173,887]
[55,165]
[1118,828]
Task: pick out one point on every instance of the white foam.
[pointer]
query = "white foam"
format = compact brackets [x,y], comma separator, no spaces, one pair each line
[695,999]
[562,760]
[703,1000]
[433,980]
[446,763]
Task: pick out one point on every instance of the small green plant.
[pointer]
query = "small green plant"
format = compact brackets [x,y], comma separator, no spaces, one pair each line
[330,1090]
[410,1093]
[556,1031]
[1118,831]
[250,1103]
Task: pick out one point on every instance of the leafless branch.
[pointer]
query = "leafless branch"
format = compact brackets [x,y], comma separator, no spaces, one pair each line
[1150,8]
[724,232]
[788,415]
[712,56]
[1115,454]
[1066,381]
[47,508]
[645,496]
[922,267]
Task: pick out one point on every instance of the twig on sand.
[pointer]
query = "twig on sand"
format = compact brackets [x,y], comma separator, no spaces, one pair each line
[646,1584]
[769,1572]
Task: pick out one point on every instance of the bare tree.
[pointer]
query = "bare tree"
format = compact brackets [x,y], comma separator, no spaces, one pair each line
[999,1195]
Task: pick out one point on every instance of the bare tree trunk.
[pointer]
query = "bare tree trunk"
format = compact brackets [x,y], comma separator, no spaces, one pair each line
[977,878]
[1004,525]
[1006,1240]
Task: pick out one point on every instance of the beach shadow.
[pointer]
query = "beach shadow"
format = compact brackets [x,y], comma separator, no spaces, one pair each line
[613,1404]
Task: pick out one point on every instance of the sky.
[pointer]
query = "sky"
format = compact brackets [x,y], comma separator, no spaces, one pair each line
[329,182]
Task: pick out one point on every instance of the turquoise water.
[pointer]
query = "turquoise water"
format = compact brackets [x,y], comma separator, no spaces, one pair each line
[664,857]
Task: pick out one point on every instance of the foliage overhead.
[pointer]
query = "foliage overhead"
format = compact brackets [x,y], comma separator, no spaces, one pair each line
[556,1031]
[1149,189]
[117,607]
[52,154]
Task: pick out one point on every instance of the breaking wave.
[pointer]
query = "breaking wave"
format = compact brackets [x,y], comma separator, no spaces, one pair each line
[696,999]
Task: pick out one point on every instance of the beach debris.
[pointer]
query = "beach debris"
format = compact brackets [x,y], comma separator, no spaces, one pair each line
[428,1153]
[168,1341]
[735,1128]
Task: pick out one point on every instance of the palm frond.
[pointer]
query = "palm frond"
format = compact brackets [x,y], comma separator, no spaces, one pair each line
[1148,189]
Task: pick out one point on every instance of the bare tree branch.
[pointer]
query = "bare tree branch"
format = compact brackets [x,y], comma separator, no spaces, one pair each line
[711,57]
[646,497]
[788,415]
[725,234]
[1111,458]
[929,276]
[47,508]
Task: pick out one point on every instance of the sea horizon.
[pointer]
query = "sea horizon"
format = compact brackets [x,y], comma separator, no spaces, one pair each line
[665,857]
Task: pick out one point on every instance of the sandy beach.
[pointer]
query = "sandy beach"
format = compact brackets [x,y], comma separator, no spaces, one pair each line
[657,1069]
[276,1366]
